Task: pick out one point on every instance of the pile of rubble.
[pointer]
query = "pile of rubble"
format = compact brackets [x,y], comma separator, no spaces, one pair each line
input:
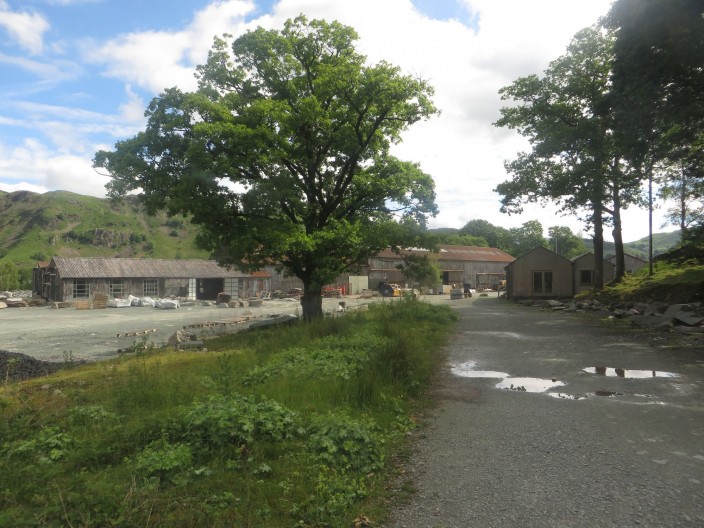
[15,366]
[658,315]
[20,299]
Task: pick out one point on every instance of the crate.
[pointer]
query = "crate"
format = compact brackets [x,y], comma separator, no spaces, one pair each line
[100,300]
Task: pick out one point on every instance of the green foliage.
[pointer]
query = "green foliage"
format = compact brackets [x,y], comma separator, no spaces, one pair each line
[679,282]
[564,242]
[657,80]
[422,270]
[576,160]
[9,275]
[234,420]
[493,235]
[347,444]
[340,357]
[189,439]
[47,446]
[164,461]
[302,126]
[523,239]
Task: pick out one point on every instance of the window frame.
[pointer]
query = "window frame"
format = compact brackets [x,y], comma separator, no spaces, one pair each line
[80,289]
[150,287]
[582,282]
[114,290]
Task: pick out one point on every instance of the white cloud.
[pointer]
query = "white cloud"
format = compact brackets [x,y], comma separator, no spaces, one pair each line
[26,28]
[461,148]
[155,60]
[33,166]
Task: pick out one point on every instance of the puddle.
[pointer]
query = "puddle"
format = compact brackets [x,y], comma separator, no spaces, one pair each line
[529,384]
[632,374]
[565,396]
[510,335]
[466,370]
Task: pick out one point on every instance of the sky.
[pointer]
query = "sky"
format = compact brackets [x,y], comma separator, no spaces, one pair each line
[77,75]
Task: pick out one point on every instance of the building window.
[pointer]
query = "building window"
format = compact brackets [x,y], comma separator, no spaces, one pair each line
[586,277]
[151,287]
[542,282]
[117,288]
[80,289]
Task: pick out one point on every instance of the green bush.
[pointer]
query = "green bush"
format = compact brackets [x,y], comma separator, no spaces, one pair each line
[235,420]
[346,444]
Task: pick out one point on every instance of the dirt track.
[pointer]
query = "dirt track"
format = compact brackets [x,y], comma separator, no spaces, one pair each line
[612,437]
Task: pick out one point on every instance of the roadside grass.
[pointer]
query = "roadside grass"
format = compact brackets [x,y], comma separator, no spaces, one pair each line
[281,427]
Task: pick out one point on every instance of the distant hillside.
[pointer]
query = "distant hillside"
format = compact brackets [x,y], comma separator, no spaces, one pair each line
[662,242]
[37,227]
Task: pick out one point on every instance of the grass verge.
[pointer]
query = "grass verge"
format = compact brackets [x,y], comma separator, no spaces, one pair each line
[670,282]
[283,427]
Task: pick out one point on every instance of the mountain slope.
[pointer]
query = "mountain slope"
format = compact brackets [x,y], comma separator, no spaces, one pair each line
[38,226]
[662,242]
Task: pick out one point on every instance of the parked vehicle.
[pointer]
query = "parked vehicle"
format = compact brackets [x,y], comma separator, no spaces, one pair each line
[389,290]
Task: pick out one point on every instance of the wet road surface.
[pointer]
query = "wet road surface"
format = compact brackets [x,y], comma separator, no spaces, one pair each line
[546,419]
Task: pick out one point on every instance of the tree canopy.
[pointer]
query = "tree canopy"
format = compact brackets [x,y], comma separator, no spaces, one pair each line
[575,160]
[282,154]
[658,98]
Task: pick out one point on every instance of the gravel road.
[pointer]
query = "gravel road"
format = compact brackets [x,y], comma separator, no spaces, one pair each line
[609,431]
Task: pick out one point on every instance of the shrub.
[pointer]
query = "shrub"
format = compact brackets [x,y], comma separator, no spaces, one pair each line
[345,443]
[234,420]
[165,461]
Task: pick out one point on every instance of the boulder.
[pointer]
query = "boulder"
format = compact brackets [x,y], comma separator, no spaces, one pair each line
[2,305]
[223,298]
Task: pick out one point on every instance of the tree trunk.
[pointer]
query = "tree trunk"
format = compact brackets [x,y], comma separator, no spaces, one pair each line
[598,249]
[312,302]
[617,233]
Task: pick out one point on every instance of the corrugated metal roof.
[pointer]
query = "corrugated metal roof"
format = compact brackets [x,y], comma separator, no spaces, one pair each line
[457,253]
[114,268]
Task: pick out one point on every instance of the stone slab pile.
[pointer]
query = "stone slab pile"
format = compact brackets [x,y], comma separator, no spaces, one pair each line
[657,315]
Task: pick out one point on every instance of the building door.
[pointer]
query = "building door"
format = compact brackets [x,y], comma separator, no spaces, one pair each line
[542,282]
[208,289]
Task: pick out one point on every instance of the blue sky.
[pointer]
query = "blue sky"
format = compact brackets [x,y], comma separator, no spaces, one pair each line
[76,75]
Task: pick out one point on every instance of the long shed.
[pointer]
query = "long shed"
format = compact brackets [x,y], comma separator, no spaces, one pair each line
[71,278]
[472,266]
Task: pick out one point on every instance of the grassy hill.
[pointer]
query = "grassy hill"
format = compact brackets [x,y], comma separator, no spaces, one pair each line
[662,242]
[36,227]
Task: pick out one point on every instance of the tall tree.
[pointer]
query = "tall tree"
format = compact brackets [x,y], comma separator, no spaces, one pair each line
[564,242]
[574,161]
[495,236]
[657,83]
[525,238]
[685,188]
[282,154]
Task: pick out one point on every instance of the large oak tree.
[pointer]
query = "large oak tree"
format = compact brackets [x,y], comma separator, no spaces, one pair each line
[282,154]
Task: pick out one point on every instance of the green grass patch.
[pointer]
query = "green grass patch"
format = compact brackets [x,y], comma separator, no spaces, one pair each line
[670,282]
[278,427]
